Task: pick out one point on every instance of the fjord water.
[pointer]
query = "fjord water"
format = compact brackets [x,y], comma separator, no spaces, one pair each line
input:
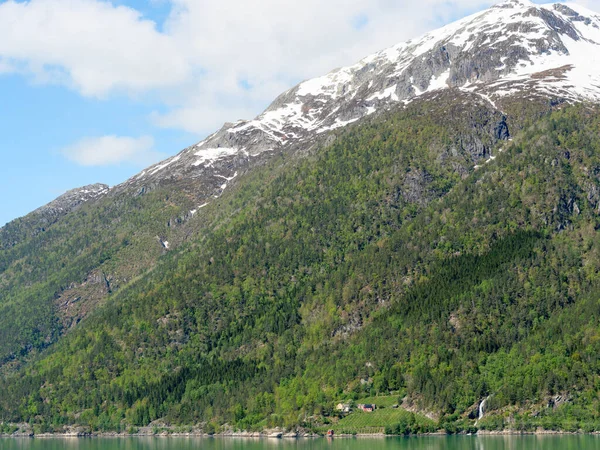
[548,442]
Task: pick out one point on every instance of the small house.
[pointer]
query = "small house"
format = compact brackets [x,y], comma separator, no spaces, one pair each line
[343,407]
[367,407]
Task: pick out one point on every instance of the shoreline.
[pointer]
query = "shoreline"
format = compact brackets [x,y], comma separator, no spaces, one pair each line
[281,435]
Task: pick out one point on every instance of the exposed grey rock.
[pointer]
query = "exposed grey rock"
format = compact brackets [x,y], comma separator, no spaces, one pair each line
[71,200]
[501,131]
[416,187]
[593,195]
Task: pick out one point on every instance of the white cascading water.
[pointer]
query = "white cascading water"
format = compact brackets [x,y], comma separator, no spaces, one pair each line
[482,408]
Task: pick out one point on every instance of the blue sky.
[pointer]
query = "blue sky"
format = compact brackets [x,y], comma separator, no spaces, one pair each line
[38,121]
[156,76]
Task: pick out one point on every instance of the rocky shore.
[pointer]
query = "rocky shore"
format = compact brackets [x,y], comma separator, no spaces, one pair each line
[25,431]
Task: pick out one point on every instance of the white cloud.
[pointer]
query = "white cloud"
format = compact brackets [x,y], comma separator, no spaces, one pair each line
[110,150]
[594,5]
[91,45]
[207,49]
[6,67]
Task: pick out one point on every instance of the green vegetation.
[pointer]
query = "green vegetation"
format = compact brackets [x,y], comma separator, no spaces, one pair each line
[88,253]
[382,401]
[390,421]
[382,263]
[388,418]
[7,429]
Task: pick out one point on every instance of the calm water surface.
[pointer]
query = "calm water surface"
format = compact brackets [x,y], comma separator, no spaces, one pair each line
[421,443]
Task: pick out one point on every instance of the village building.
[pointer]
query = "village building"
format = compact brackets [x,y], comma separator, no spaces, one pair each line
[367,407]
[343,407]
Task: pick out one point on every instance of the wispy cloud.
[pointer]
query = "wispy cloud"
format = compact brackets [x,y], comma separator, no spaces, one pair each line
[111,150]
[6,66]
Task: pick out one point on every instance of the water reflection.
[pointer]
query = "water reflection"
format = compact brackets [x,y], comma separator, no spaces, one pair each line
[542,442]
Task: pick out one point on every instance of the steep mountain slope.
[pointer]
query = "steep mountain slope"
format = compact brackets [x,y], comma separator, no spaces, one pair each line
[287,261]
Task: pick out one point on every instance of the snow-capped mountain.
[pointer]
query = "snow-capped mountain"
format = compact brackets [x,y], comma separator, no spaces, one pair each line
[515,47]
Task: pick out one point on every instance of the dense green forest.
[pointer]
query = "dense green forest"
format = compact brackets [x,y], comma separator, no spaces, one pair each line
[398,260]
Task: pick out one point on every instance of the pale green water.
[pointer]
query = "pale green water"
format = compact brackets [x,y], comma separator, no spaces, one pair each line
[421,443]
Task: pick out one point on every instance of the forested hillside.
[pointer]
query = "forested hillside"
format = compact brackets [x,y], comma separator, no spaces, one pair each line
[420,253]
[53,274]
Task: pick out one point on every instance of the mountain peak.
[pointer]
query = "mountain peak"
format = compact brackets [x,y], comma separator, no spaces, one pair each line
[514,4]
[513,48]
[73,198]
[38,220]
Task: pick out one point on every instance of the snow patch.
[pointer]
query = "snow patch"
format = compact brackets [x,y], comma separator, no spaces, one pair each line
[441,82]
[337,124]
[389,92]
[208,156]
[329,85]
[167,163]
[227,179]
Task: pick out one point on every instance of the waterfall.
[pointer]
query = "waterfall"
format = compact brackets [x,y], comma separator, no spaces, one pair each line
[482,408]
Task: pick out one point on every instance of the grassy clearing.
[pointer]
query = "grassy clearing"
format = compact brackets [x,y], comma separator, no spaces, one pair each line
[381,401]
[360,422]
